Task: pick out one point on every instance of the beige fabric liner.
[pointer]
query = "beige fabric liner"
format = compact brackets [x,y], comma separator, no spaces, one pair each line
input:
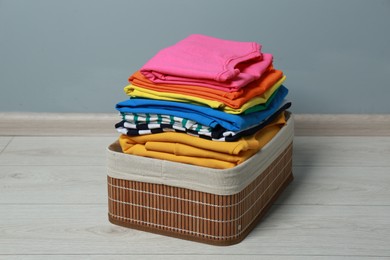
[215,181]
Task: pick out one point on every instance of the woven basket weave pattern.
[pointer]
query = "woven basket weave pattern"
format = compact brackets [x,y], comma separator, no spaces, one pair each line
[195,215]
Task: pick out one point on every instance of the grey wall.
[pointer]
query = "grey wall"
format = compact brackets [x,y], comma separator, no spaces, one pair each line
[76,55]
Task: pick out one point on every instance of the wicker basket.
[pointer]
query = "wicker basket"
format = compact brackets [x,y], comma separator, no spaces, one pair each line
[209,213]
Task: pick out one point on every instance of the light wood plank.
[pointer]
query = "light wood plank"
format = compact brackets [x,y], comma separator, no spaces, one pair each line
[341,151]
[51,150]
[187,257]
[87,184]
[347,186]
[287,230]
[53,184]
[342,124]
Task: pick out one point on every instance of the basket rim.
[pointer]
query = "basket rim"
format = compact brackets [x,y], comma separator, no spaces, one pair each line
[216,181]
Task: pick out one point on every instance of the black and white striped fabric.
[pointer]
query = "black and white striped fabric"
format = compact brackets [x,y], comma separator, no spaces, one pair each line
[155,119]
[143,124]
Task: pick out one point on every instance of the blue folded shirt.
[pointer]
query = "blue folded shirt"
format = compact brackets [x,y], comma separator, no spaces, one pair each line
[202,114]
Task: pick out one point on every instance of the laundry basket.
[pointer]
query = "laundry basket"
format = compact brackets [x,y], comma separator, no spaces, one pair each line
[212,206]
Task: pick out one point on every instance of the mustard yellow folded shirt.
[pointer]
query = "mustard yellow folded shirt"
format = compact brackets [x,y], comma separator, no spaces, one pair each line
[179,147]
[136,91]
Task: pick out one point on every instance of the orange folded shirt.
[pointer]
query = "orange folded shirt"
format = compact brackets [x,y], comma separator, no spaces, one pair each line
[231,99]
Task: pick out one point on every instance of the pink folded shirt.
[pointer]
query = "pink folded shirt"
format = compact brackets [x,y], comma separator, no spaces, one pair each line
[210,62]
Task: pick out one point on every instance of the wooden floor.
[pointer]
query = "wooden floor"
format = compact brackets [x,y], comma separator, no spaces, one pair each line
[53,204]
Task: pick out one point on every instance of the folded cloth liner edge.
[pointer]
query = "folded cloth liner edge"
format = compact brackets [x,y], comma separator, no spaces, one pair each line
[222,182]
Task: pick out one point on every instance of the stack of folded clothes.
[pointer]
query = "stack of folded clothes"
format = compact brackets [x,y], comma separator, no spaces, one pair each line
[203,101]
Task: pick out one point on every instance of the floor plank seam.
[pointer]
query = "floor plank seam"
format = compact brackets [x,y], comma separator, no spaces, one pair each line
[340,166]
[331,205]
[103,165]
[54,135]
[206,254]
[275,204]
[10,140]
[56,204]
[55,165]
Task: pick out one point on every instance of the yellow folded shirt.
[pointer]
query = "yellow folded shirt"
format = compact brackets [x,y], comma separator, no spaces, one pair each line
[186,150]
[179,147]
[140,150]
[136,91]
